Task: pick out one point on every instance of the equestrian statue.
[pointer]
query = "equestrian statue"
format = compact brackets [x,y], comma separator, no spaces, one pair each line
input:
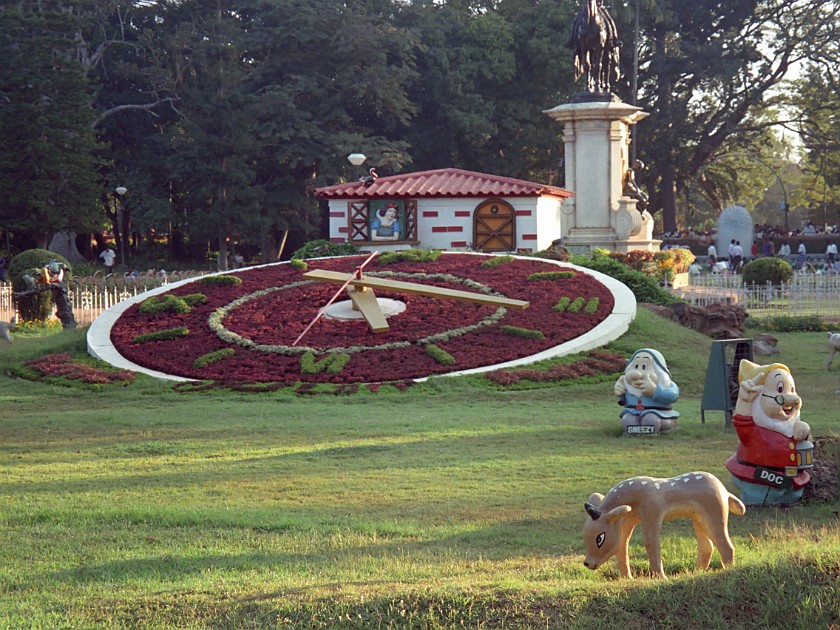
[595,43]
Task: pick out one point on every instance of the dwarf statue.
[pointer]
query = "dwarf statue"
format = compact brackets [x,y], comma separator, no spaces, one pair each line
[646,392]
[770,465]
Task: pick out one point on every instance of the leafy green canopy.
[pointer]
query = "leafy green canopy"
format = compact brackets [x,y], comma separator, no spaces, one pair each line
[49,164]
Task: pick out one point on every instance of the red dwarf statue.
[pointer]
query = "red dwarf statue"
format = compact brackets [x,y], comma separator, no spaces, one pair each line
[770,465]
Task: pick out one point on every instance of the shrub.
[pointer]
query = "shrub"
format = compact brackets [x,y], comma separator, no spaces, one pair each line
[552,253]
[35,306]
[525,333]
[440,355]
[195,298]
[645,287]
[767,269]
[782,323]
[639,260]
[550,275]
[592,306]
[158,304]
[171,303]
[212,357]
[298,264]
[162,335]
[496,261]
[409,255]
[221,280]
[322,248]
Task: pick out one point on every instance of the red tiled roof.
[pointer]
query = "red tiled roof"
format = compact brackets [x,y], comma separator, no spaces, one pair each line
[444,182]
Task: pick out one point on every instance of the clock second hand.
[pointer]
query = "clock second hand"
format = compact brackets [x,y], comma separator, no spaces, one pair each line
[354,276]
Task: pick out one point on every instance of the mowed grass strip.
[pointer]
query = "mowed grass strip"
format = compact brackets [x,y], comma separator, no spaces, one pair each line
[449,505]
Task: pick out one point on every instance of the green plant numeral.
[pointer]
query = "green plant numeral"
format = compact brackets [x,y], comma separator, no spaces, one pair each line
[162,335]
[562,304]
[576,305]
[440,355]
[525,333]
[331,364]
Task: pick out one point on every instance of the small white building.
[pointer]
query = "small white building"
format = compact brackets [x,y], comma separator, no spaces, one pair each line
[447,209]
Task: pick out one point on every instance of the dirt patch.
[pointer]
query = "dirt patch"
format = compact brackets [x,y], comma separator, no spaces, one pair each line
[825,475]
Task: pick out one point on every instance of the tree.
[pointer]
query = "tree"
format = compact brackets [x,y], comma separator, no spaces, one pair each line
[257,102]
[487,71]
[815,96]
[49,164]
[707,73]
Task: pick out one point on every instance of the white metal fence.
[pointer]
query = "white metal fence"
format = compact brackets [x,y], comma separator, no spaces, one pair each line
[807,294]
[89,300]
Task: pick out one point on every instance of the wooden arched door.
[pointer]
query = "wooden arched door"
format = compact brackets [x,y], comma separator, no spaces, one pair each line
[494,227]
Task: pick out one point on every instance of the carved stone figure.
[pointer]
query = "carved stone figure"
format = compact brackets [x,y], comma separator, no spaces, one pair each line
[595,43]
[631,188]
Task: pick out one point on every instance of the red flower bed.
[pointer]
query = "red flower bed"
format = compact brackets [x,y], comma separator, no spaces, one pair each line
[64,365]
[261,317]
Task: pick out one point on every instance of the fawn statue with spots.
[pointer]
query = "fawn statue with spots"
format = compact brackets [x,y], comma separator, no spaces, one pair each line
[649,502]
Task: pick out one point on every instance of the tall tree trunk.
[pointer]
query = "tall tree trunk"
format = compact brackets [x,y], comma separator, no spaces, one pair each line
[42,240]
[668,198]
[222,263]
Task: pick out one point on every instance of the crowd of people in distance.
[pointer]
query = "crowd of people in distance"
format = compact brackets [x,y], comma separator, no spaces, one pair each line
[761,231]
[794,245]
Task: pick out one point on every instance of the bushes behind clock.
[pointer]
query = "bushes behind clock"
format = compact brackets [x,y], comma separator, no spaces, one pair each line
[767,269]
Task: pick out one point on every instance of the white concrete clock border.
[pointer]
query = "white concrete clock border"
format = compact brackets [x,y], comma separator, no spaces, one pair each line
[614,326]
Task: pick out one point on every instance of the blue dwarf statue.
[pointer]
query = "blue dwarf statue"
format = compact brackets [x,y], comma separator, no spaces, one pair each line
[647,393]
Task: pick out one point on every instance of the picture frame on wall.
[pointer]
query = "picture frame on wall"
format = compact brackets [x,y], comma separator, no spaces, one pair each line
[387,221]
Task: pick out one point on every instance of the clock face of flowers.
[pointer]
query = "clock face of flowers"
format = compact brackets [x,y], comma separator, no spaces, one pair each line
[246,331]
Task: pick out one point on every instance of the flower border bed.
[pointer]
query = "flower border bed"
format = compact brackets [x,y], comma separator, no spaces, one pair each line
[260,317]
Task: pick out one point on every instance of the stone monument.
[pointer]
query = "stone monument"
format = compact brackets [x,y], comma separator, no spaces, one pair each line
[596,133]
[734,224]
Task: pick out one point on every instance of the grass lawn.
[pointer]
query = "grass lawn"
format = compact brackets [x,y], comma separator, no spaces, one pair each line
[453,504]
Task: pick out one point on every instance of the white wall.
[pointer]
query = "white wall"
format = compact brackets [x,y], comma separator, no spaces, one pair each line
[446,223]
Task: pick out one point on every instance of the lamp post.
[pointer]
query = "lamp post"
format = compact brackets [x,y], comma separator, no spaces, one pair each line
[356,159]
[121,190]
[634,80]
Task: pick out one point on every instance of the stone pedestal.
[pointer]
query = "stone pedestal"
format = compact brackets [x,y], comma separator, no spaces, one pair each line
[597,137]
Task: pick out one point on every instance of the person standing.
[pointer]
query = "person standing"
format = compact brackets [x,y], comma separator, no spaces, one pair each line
[737,257]
[784,251]
[801,255]
[108,257]
[831,254]
[712,256]
[768,247]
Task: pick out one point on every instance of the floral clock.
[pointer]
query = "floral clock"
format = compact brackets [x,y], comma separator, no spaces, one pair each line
[243,326]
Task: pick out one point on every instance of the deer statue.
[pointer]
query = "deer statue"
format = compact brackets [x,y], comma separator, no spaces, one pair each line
[699,496]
